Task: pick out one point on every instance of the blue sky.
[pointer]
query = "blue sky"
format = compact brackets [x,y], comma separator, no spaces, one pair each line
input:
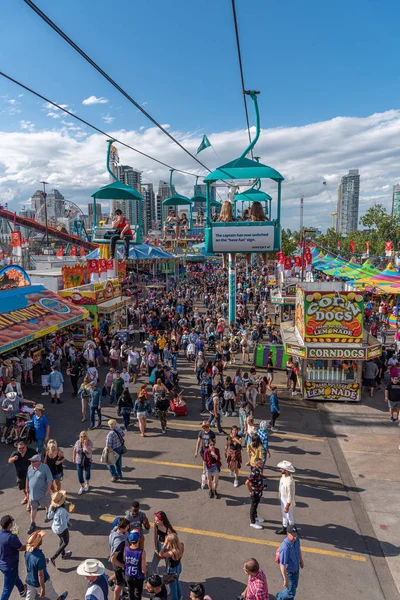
[312,61]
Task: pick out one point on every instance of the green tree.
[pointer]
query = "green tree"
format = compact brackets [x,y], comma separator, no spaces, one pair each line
[289,241]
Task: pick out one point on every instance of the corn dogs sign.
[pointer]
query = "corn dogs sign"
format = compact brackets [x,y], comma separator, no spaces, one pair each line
[333,317]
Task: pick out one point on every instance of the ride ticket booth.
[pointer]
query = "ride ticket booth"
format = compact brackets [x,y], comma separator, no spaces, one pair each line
[328,341]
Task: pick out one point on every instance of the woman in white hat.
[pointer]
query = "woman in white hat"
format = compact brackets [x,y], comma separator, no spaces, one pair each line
[286,495]
[60,517]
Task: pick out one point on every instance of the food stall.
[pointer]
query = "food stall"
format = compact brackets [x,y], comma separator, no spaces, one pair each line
[103,300]
[328,341]
[284,295]
[29,312]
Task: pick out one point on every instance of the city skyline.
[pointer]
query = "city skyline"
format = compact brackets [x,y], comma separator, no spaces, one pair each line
[348,202]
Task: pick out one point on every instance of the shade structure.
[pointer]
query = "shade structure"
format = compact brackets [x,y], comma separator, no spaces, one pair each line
[201,198]
[137,252]
[243,168]
[252,195]
[177,200]
[117,191]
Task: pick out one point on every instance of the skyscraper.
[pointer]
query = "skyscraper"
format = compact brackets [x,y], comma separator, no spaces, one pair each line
[348,201]
[201,188]
[396,200]
[149,206]
[164,191]
[55,204]
[131,177]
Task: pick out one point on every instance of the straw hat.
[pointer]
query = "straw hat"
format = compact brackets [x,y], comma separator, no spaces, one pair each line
[58,498]
[285,465]
[34,540]
[38,407]
[91,568]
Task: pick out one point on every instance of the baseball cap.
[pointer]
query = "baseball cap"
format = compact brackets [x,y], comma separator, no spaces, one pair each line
[292,529]
[35,457]
[134,536]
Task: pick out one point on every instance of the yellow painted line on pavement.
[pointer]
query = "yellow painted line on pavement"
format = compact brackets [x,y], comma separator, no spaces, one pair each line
[277,476]
[271,434]
[237,538]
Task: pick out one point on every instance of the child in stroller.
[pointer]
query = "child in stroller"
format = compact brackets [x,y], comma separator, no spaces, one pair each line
[177,405]
[211,341]
[191,352]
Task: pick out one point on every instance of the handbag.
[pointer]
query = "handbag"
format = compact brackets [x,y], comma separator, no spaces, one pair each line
[85,460]
[121,439]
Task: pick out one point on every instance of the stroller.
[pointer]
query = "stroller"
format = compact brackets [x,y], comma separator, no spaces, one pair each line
[177,405]
[211,341]
[20,430]
[191,352]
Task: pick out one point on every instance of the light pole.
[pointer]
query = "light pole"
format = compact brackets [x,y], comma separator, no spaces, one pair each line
[45,211]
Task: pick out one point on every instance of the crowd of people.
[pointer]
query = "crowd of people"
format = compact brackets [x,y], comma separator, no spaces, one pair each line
[185,326]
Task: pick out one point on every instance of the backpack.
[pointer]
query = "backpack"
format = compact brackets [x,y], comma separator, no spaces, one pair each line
[161,402]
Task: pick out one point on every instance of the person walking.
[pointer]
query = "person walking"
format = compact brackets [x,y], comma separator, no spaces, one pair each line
[257,586]
[173,550]
[75,372]
[54,459]
[56,381]
[370,371]
[117,387]
[212,459]
[94,572]
[204,436]
[37,578]
[95,399]
[84,393]
[286,495]
[233,453]
[41,427]
[38,485]
[141,410]
[255,485]
[82,458]
[60,517]
[392,397]
[10,547]
[125,407]
[290,563]
[115,441]
[135,566]
[20,459]
[274,408]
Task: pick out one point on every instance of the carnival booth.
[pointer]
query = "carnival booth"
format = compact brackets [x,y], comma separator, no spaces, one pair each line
[103,300]
[284,295]
[328,341]
[29,312]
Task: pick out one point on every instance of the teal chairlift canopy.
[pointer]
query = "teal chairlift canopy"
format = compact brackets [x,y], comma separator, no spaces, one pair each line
[177,200]
[243,236]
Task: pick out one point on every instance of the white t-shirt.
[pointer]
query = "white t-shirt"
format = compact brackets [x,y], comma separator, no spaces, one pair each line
[126,377]
[133,357]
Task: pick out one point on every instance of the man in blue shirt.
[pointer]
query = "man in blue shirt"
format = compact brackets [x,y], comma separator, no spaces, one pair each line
[291,561]
[41,426]
[95,399]
[37,578]
[56,381]
[10,547]
[274,408]
[38,485]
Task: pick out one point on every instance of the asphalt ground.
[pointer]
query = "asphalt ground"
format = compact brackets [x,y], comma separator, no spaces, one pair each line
[161,472]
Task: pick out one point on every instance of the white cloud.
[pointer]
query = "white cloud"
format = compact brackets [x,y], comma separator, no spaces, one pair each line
[28,125]
[12,101]
[306,156]
[94,100]
[108,118]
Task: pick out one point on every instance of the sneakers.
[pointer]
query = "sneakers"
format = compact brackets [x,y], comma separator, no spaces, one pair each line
[231,473]
[282,531]
[255,526]
[86,488]
[294,393]
[260,520]
[81,490]
[32,528]
[211,494]
[23,593]
[216,495]
[53,561]
[236,483]
[3,439]
[67,555]
[163,431]
[44,393]
[63,596]
[234,414]
[391,418]
[226,414]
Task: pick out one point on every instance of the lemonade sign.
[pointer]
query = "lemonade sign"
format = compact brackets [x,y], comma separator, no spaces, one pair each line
[315,390]
[334,317]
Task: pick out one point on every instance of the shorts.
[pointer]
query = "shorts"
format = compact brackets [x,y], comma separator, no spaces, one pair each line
[58,477]
[21,483]
[370,383]
[119,575]
[133,369]
[394,405]
[45,380]
[57,391]
[212,469]
[9,421]
[43,502]
[141,415]
[270,376]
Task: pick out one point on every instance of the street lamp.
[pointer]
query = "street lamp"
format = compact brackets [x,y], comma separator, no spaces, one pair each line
[45,211]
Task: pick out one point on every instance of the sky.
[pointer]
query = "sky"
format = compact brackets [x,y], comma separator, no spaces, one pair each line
[327,77]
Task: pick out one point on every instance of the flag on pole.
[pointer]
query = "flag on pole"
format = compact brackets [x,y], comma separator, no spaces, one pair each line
[205,143]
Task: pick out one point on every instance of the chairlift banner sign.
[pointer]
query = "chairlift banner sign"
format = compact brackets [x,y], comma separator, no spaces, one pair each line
[257,238]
